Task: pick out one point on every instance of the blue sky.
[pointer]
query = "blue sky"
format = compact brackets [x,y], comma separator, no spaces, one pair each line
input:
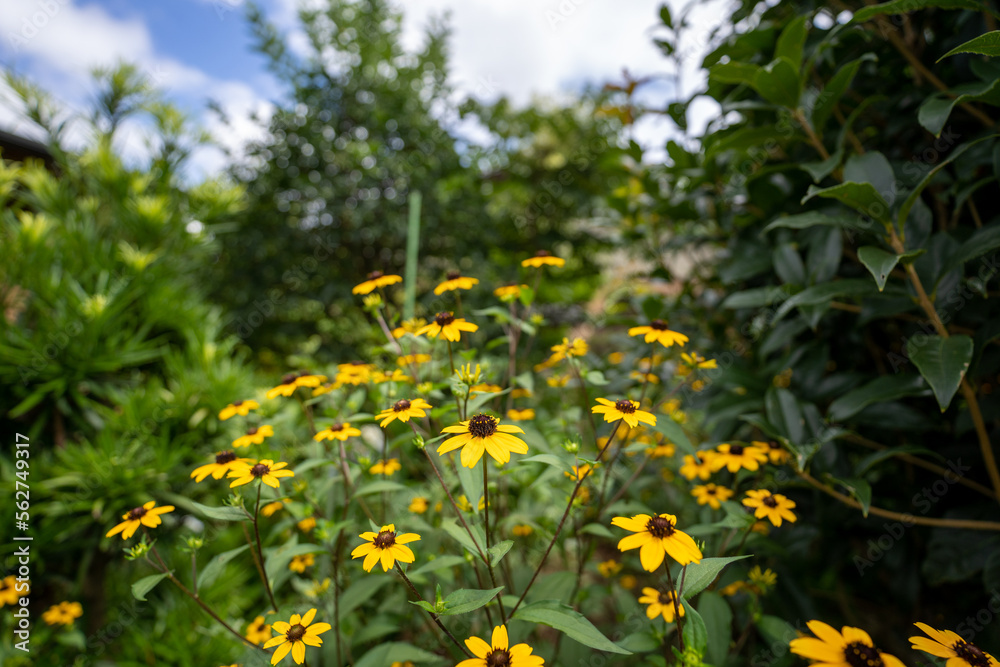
[195,50]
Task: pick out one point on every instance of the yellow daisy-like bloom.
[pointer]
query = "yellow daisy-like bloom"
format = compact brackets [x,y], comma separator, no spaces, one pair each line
[774,507]
[661,451]
[300,563]
[485,388]
[418,505]
[403,410]
[483,433]
[455,281]
[947,644]
[295,635]
[337,432]
[851,647]
[521,415]
[318,589]
[286,388]
[520,392]
[385,547]
[9,593]
[761,580]
[374,280]
[258,631]
[577,348]
[307,524]
[734,457]
[660,603]
[271,508]
[224,462]
[148,515]
[657,332]
[628,581]
[241,408]
[508,293]
[623,409]
[557,380]
[580,471]
[695,360]
[522,530]
[700,468]
[711,495]
[446,323]
[64,613]
[265,470]
[609,568]
[656,537]
[325,388]
[616,358]
[408,359]
[354,372]
[639,376]
[396,375]
[408,327]
[500,652]
[307,379]
[776,454]
[387,468]
[255,435]
[405,663]
[543,258]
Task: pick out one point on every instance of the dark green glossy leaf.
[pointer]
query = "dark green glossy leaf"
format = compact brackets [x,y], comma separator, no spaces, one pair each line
[885,388]
[985,45]
[564,618]
[699,576]
[942,362]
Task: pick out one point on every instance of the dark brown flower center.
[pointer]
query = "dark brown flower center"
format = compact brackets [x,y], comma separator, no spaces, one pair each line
[773,445]
[660,527]
[971,653]
[666,598]
[443,319]
[736,450]
[296,633]
[375,275]
[711,490]
[252,430]
[498,657]
[225,457]
[136,513]
[237,404]
[625,406]
[454,275]
[857,654]
[483,426]
[543,253]
[399,406]
[259,470]
[288,379]
[336,427]
[385,539]
[770,501]
[659,325]
[303,374]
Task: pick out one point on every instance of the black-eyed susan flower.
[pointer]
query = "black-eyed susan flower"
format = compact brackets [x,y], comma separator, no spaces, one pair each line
[148,515]
[609,568]
[567,348]
[520,392]
[508,293]
[241,408]
[734,457]
[699,466]
[623,409]
[272,507]
[761,580]
[499,652]
[254,436]
[851,647]
[580,471]
[672,409]
[286,387]
[300,563]
[224,462]
[409,326]
[395,375]
[695,360]
[711,495]
[403,410]
[447,324]
[387,468]
[324,388]
[485,388]
[318,588]
[543,258]
[628,581]
[660,603]
[520,415]
[375,280]
[655,537]
[306,524]
[294,635]
[455,281]
[353,373]
[408,359]
[339,431]
[483,433]
[947,644]
[557,380]
[662,451]
[265,470]
[11,590]
[657,332]
[639,376]
[522,530]
[307,379]
[776,454]
[775,507]
[258,631]
[64,613]
[418,505]
[385,547]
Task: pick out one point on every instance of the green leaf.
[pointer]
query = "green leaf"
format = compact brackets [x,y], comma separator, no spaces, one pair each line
[564,618]
[778,83]
[222,513]
[733,72]
[388,653]
[783,412]
[816,219]
[674,433]
[889,452]
[498,551]
[360,592]
[458,533]
[695,632]
[942,362]
[862,197]
[778,632]
[878,262]
[146,584]
[914,196]
[791,41]
[548,459]
[439,563]
[788,264]
[718,618]
[598,529]
[665,16]
[906,6]
[755,298]
[835,88]
[699,576]
[823,168]
[936,109]
[981,242]
[859,489]
[596,378]
[985,45]
[467,599]
[217,565]
[822,294]
[884,388]
[378,486]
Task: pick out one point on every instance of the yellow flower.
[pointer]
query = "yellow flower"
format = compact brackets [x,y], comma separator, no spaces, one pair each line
[656,537]
[851,647]
[695,360]
[307,524]
[522,530]
[577,348]
[628,582]
[734,457]
[657,332]
[520,392]
[265,470]
[783,379]
[455,281]
[224,462]
[773,507]
[354,373]
[11,590]
[542,258]
[711,495]
[469,376]
[255,435]
[616,358]
[258,631]
[406,663]
[775,452]
[241,408]
[339,431]
[702,468]
[418,505]
[287,386]
[661,451]
[294,635]
[374,280]
[639,376]
[148,515]
[508,293]
[483,433]
[463,504]
[609,568]
[485,388]
[396,375]
[387,468]
[324,389]
[580,471]
[64,613]
[557,380]
[271,508]
[409,327]
[408,359]
[947,644]
[761,580]
[385,547]
[732,589]
[403,410]
[452,327]
[661,603]
[623,409]
[300,563]
[499,652]
[521,415]
[318,589]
